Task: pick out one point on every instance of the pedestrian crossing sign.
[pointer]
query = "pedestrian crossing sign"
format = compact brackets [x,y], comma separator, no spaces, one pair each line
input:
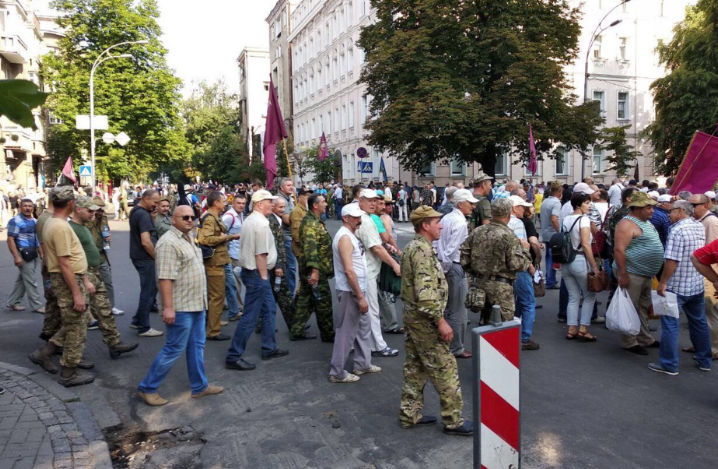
[86,171]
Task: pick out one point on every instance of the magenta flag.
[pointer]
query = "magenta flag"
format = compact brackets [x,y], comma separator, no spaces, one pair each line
[699,171]
[274,131]
[533,166]
[67,170]
[323,148]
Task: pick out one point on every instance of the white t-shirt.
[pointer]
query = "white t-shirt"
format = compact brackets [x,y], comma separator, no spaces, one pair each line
[256,239]
[566,210]
[614,194]
[358,261]
[576,232]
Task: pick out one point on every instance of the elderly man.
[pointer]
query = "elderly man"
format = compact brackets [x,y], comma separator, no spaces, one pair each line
[296,217]
[282,296]
[25,248]
[428,357]
[482,213]
[183,287]
[402,202]
[680,277]
[614,192]
[448,248]
[550,209]
[257,257]
[286,193]
[661,217]
[638,254]
[353,324]
[315,270]
[368,234]
[233,219]
[494,255]
[523,286]
[448,207]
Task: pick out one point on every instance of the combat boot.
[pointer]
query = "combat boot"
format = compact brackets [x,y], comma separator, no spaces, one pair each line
[43,357]
[71,377]
[85,364]
[120,348]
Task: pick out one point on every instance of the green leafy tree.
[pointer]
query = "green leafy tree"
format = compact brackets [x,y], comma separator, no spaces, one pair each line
[140,95]
[453,79]
[17,100]
[323,171]
[686,99]
[624,158]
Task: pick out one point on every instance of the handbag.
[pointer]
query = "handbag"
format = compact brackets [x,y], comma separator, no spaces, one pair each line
[598,282]
[29,254]
[388,281]
[540,286]
[600,239]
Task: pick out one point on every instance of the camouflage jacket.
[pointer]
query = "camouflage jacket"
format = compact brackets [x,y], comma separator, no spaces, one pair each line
[423,286]
[480,213]
[95,227]
[494,249]
[315,245]
[614,218]
[278,234]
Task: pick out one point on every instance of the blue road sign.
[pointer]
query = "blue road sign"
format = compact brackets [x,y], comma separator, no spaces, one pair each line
[85,171]
[365,167]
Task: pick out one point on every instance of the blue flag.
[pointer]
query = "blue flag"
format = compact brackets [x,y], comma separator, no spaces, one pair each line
[382,170]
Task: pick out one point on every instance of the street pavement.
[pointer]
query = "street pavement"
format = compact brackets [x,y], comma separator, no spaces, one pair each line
[583,405]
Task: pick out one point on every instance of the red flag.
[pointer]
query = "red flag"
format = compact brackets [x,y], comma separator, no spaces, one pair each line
[323,148]
[67,170]
[533,166]
[274,132]
[699,171]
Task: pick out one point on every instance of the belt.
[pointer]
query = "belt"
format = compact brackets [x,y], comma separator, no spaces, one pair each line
[496,278]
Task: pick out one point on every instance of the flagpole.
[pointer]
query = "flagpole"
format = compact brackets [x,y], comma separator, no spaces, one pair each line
[286,153]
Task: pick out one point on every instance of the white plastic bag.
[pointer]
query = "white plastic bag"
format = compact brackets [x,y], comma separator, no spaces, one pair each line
[621,315]
[665,305]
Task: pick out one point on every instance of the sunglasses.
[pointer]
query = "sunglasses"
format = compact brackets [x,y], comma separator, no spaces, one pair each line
[188,217]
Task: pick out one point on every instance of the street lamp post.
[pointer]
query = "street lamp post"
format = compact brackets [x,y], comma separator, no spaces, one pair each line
[99,60]
[596,32]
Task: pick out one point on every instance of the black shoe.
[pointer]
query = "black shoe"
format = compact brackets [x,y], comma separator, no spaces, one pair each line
[425,421]
[119,349]
[276,354]
[219,337]
[304,337]
[240,364]
[652,328]
[467,429]
[562,319]
[45,337]
[638,350]
[655,344]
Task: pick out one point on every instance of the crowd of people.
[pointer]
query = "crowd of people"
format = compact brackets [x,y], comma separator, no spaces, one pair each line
[253,252]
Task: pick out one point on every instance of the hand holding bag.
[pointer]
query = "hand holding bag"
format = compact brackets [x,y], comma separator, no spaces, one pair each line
[539,283]
[621,315]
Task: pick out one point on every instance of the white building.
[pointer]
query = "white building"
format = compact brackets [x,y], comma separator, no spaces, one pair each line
[253,92]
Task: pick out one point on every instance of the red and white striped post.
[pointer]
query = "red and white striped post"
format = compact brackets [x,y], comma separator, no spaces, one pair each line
[496,379]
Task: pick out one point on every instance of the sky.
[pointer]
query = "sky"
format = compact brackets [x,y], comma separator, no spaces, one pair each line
[205,38]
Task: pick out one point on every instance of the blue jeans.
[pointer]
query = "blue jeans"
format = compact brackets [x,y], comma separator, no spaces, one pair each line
[338,209]
[550,271]
[258,303]
[230,291]
[525,304]
[694,307]
[148,292]
[186,334]
[575,277]
[291,274]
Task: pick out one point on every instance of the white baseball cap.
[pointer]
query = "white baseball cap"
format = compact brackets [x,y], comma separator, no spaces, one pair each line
[518,201]
[263,195]
[664,198]
[710,194]
[368,194]
[464,195]
[583,188]
[352,210]
[653,194]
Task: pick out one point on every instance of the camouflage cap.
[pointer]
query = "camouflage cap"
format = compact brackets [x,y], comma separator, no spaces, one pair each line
[423,212]
[641,199]
[501,207]
[62,194]
[481,178]
[86,202]
[99,202]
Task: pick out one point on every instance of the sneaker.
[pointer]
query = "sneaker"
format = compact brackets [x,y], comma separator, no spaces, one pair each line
[658,368]
[134,326]
[351,378]
[703,368]
[371,369]
[152,399]
[223,323]
[16,307]
[2,390]
[235,318]
[151,333]
[39,310]
[208,391]
[599,320]
[117,312]
[94,325]
[387,352]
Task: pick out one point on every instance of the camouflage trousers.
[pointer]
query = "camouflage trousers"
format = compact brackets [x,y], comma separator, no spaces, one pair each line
[428,358]
[52,321]
[497,293]
[73,331]
[101,308]
[306,303]
[284,300]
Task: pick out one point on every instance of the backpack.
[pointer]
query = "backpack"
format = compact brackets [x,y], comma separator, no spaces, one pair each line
[562,250]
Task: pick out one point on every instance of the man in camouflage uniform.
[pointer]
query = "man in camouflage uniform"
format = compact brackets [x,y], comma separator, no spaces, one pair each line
[283,297]
[482,213]
[100,230]
[425,292]
[493,255]
[316,267]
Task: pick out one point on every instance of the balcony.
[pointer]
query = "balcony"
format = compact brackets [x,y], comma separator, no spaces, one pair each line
[13,49]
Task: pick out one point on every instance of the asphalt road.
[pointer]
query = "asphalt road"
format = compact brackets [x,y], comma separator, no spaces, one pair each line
[584,405]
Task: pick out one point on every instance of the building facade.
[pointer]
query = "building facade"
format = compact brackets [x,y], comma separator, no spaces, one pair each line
[280,57]
[253,88]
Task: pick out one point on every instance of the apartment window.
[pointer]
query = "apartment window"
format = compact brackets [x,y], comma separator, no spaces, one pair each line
[329,37]
[364,109]
[600,96]
[622,105]
[350,60]
[278,27]
[598,163]
[597,47]
[296,92]
[428,169]
[344,116]
[326,73]
[562,162]
[351,115]
[363,6]
[341,65]
[350,14]
[336,116]
[319,77]
[310,51]
[321,124]
[54,120]
[341,21]
[458,168]
[622,43]
[314,128]
[501,166]
[319,40]
[335,66]
[311,81]
[329,122]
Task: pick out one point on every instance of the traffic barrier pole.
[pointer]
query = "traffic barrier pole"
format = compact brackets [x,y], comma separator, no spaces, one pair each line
[496,379]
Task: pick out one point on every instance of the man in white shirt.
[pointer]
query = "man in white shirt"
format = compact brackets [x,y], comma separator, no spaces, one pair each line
[614,192]
[257,256]
[338,200]
[233,219]
[448,246]
[402,202]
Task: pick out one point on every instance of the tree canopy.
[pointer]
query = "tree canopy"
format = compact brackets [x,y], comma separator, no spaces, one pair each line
[457,79]
[686,99]
[140,95]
